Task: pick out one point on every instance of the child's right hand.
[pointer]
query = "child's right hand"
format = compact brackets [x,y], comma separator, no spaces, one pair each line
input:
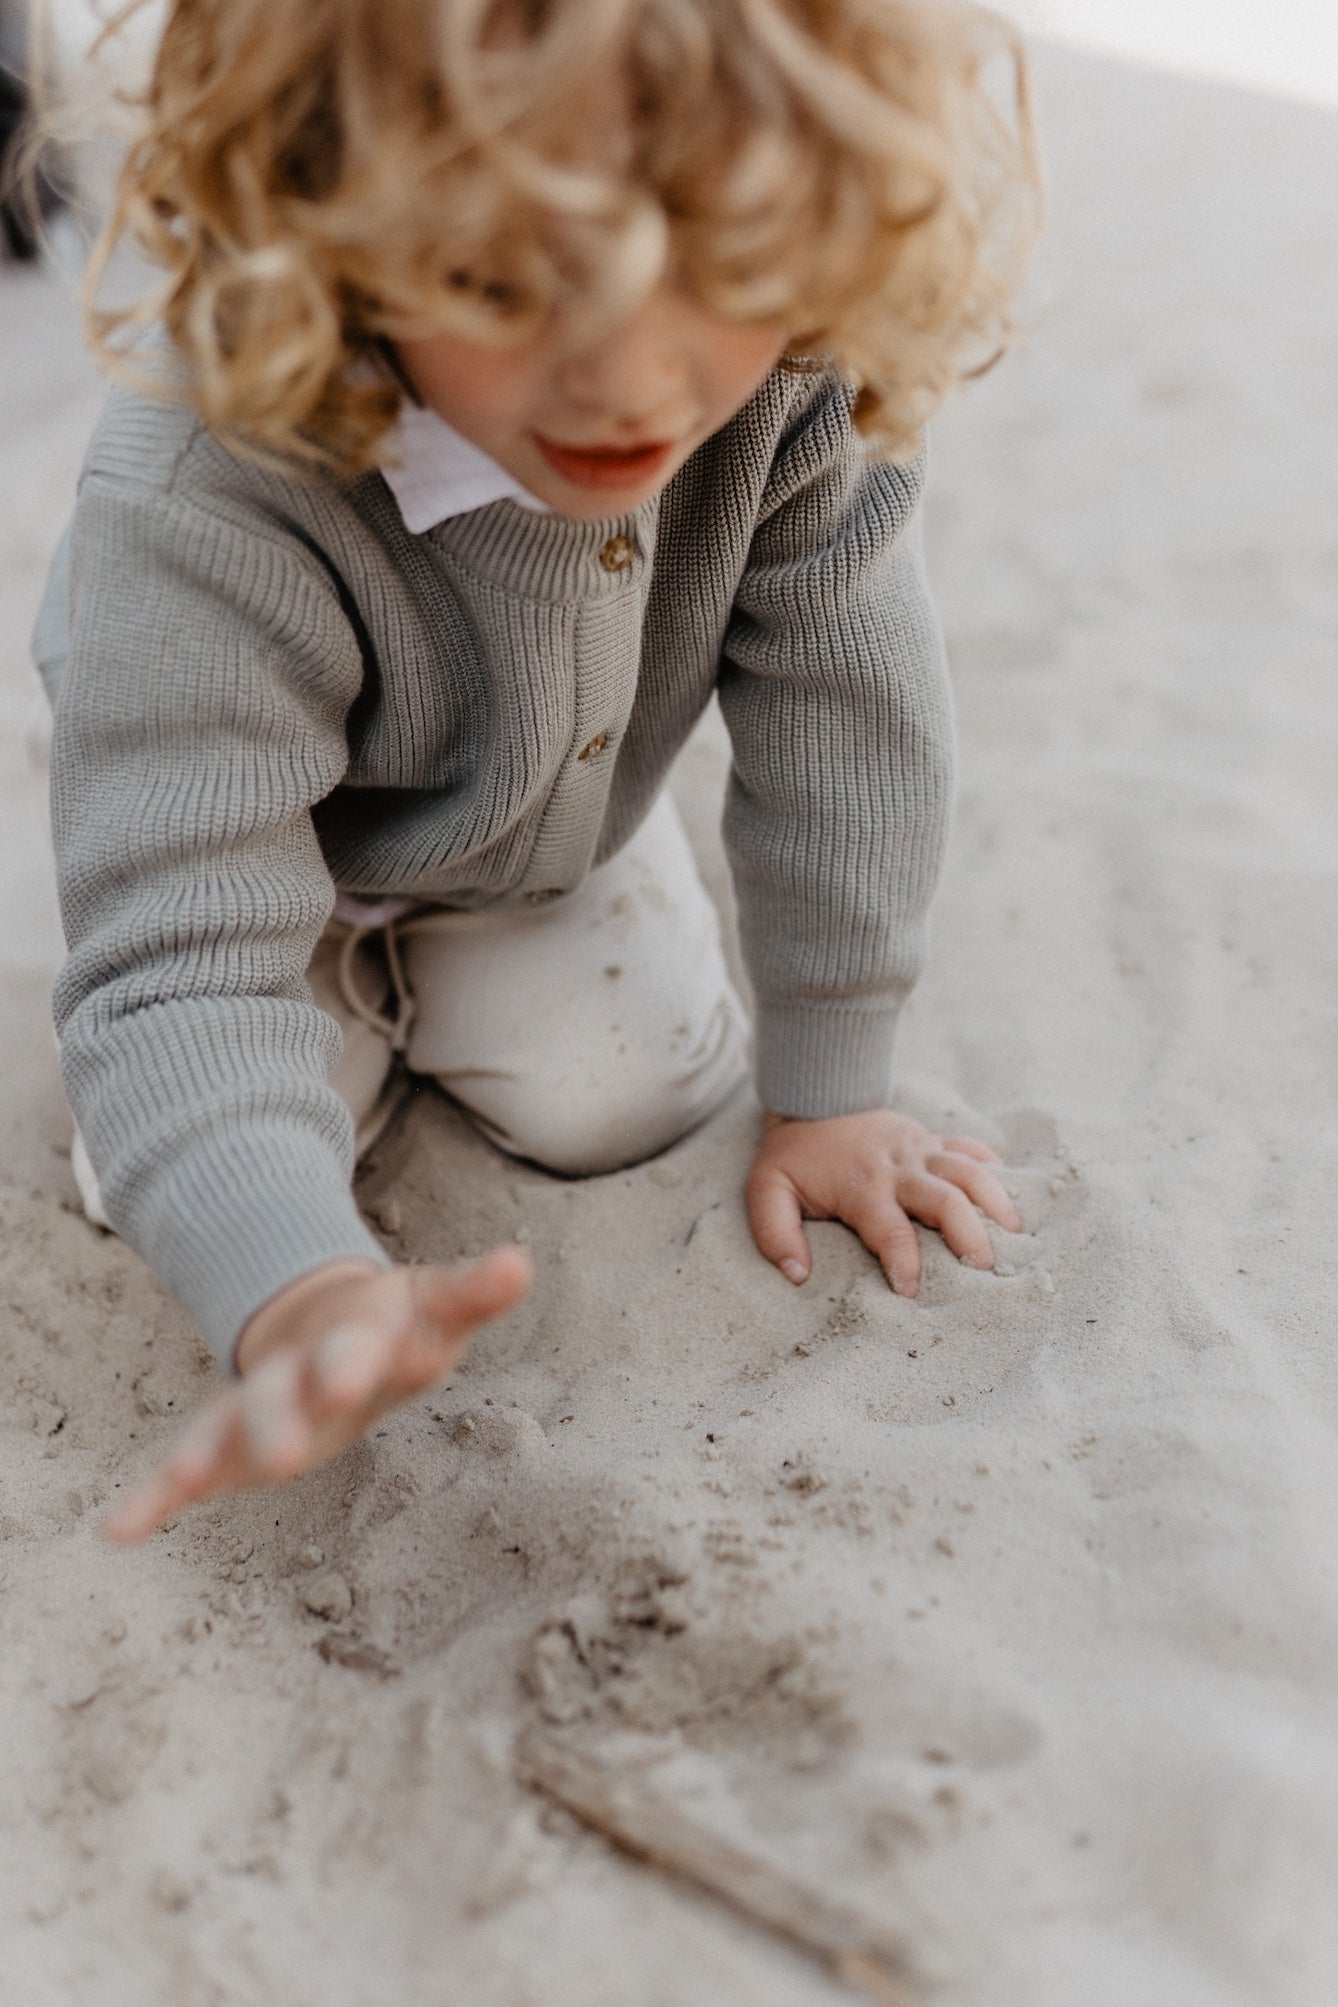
[319,1363]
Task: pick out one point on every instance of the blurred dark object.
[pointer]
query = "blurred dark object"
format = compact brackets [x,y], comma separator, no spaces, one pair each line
[27,197]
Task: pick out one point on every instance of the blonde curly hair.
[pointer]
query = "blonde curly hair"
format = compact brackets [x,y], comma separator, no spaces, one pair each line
[316,178]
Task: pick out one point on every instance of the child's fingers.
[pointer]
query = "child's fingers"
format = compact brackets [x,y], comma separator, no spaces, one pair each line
[776,1218]
[981,1187]
[302,1404]
[971,1146]
[277,1429]
[350,1364]
[195,1467]
[204,1445]
[456,1301]
[944,1206]
[887,1232]
[142,1513]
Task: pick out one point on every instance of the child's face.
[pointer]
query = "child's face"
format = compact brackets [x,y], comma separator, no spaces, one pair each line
[595,425]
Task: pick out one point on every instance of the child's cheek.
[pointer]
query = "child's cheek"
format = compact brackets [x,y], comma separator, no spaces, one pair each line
[742,358]
[485,393]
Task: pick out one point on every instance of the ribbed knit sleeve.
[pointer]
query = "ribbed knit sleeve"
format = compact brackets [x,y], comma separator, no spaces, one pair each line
[201,715]
[834,689]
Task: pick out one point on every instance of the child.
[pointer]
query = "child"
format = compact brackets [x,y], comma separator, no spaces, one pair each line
[477,442]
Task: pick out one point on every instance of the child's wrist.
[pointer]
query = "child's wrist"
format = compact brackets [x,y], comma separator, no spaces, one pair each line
[287,1317]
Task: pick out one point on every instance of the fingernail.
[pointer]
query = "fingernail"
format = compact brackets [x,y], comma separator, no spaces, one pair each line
[794,1271]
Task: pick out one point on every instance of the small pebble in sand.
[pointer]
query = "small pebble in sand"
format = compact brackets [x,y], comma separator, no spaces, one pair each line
[388,1214]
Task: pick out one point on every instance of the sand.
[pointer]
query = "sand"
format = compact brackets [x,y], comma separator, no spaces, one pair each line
[1005,1621]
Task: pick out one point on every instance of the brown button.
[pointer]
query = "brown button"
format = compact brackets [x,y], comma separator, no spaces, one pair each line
[617,554]
[596,745]
[542,898]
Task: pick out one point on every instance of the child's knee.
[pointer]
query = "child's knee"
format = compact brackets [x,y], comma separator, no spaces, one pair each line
[586,1122]
[580,1139]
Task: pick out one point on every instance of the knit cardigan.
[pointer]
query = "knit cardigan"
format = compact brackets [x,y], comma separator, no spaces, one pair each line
[266,689]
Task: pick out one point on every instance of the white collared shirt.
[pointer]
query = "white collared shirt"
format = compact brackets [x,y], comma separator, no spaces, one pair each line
[434,472]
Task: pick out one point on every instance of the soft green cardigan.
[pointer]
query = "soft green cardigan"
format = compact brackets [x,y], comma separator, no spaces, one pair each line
[265,688]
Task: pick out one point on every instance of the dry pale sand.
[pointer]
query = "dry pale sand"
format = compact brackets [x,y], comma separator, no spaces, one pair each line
[1007,1620]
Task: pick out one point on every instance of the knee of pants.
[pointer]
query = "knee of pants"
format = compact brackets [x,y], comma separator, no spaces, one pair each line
[560,1135]
[585,1130]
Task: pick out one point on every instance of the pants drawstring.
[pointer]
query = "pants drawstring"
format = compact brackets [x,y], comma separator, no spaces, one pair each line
[395,1029]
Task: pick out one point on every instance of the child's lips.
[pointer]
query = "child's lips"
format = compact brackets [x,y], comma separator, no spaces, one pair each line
[606,466]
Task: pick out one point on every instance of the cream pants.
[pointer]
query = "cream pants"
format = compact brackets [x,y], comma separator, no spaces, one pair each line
[584,1032]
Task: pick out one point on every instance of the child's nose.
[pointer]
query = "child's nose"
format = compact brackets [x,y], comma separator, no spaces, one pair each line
[635,375]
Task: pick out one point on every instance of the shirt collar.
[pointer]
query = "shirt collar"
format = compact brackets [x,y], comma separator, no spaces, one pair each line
[434,472]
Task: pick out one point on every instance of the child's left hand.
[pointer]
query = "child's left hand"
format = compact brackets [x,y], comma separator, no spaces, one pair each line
[876,1171]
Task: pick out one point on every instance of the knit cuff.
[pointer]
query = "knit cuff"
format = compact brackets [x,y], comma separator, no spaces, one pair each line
[229,1224]
[815,1060]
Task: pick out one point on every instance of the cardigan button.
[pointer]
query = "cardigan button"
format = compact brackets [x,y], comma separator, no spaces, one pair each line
[542,898]
[617,554]
[596,745]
